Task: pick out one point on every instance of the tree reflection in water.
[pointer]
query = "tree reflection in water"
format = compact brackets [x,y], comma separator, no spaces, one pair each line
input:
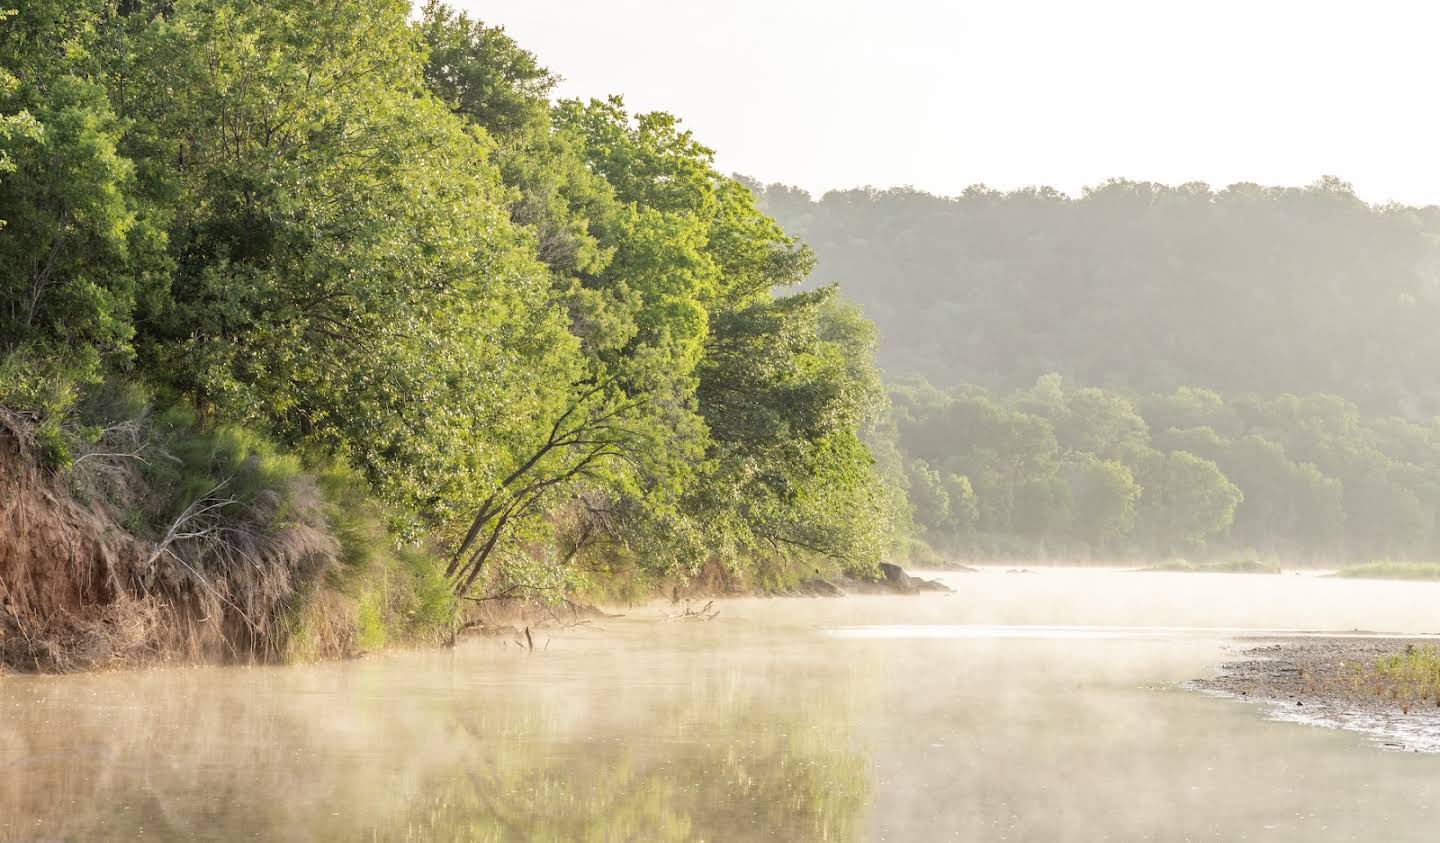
[411,748]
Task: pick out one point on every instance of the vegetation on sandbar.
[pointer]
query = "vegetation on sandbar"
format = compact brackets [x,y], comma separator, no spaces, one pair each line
[1237,566]
[1392,571]
[1408,678]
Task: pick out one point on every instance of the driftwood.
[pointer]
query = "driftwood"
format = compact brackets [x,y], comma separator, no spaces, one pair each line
[708,612]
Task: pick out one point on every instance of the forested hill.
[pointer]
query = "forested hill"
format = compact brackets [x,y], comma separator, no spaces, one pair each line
[1141,287]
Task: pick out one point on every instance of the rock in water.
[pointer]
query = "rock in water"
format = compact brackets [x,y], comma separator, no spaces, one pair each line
[930,585]
[817,588]
[898,579]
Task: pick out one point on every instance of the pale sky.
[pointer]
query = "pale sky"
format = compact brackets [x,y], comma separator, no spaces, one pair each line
[839,93]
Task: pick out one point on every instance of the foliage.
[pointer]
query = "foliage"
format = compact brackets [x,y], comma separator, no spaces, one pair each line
[1391,571]
[710,421]
[1409,677]
[1234,566]
[1141,286]
[359,251]
[1061,469]
[77,243]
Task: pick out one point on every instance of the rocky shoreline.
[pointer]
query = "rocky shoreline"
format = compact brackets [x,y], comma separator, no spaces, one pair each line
[894,580]
[1329,681]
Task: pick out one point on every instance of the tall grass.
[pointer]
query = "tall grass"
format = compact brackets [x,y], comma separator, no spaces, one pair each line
[1234,566]
[1408,678]
[242,549]
[1392,571]
[383,591]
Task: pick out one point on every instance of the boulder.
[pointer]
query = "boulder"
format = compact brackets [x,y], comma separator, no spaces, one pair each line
[897,579]
[817,588]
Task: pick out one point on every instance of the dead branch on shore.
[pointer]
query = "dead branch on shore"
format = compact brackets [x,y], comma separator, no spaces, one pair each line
[708,612]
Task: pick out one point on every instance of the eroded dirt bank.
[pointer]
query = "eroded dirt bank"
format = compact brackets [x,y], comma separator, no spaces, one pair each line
[1331,681]
[81,589]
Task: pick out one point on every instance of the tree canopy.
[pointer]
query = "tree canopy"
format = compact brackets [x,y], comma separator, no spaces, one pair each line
[1079,471]
[1141,287]
[547,334]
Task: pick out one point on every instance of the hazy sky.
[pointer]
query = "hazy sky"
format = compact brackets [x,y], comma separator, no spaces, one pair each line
[837,93]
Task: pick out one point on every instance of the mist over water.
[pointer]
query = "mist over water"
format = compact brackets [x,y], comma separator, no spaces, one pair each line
[1022,707]
[329,331]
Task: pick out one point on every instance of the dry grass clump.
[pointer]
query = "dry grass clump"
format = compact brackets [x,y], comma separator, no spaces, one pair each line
[230,570]
[1407,679]
[198,549]
[123,633]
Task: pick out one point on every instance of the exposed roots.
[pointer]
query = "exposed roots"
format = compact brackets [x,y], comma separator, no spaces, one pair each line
[125,632]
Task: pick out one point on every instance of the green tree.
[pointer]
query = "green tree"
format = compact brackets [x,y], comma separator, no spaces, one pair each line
[1186,501]
[964,507]
[345,271]
[77,245]
[929,497]
[1140,287]
[1103,497]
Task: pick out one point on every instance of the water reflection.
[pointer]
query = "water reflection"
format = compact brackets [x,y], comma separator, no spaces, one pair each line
[480,745]
[761,725]
[745,780]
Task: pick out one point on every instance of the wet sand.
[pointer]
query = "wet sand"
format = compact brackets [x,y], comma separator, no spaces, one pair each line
[1329,681]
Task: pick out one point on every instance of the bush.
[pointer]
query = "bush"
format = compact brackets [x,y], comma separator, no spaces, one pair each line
[1392,571]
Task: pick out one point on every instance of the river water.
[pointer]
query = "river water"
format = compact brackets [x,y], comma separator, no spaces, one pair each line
[1039,706]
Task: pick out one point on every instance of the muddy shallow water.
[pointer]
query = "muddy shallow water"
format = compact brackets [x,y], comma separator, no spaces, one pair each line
[1039,706]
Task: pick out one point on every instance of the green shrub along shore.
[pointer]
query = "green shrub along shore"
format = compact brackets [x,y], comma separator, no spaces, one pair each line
[1239,566]
[322,325]
[1392,571]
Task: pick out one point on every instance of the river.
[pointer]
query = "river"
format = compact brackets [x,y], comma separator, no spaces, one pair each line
[1035,706]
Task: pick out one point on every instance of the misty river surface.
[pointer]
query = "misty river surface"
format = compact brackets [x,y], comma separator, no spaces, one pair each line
[1036,706]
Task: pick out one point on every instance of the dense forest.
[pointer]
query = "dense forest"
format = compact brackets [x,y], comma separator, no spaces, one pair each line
[1066,472]
[1149,370]
[336,319]
[1139,286]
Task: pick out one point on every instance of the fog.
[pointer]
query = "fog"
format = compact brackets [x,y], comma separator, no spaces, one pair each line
[768,722]
[338,338]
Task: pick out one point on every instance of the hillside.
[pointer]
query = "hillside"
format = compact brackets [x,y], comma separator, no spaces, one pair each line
[1141,287]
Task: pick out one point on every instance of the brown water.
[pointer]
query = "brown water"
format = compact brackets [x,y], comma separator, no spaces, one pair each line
[1024,707]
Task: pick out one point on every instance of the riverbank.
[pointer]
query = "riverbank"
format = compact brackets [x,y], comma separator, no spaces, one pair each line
[168,540]
[1339,682]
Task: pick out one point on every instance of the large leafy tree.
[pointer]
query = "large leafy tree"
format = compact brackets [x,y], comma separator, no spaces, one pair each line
[623,274]
[712,420]
[15,125]
[786,388]
[346,273]
[79,246]
[543,332]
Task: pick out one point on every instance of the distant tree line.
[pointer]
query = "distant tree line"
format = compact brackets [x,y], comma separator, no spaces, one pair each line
[1262,362]
[1142,287]
[1055,470]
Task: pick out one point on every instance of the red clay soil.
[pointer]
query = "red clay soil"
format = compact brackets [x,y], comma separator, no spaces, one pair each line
[61,562]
